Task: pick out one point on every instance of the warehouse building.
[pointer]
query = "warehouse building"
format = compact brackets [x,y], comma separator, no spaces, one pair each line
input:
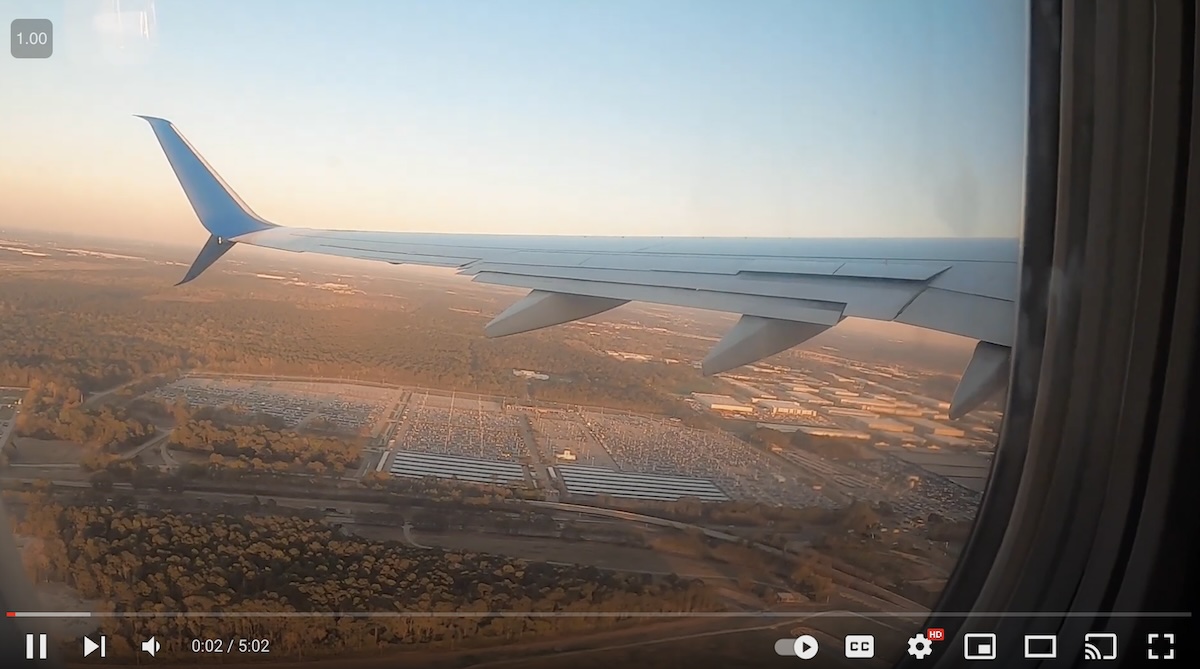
[723,403]
[786,408]
[850,411]
[809,398]
[835,433]
[884,425]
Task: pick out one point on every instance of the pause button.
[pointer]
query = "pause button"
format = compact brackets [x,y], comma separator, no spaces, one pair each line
[35,646]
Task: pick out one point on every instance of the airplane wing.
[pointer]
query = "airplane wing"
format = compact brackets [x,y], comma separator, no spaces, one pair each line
[786,290]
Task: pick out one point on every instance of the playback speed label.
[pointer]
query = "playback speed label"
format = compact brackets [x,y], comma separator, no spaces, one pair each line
[31,38]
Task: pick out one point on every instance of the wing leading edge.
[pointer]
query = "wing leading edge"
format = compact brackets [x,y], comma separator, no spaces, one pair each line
[786,290]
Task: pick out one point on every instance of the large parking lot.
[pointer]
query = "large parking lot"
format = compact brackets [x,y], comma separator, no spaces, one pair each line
[349,408]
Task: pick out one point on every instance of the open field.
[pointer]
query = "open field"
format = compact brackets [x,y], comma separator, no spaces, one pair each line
[27,451]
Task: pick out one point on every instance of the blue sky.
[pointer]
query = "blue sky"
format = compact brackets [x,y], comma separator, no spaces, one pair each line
[762,118]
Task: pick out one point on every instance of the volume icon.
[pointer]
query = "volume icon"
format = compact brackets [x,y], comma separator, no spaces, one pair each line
[151,646]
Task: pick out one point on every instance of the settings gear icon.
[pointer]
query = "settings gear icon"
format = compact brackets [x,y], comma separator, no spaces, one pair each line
[919,646]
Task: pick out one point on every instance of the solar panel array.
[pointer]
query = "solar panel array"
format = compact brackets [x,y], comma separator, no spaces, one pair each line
[584,480]
[414,464]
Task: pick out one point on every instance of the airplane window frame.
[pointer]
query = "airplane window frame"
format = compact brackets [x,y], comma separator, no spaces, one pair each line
[1085,509]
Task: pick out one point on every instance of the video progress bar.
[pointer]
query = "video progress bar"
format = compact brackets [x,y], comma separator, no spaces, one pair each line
[920,615]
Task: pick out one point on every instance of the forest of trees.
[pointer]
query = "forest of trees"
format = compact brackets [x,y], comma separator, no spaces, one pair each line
[97,331]
[161,560]
[261,448]
[52,411]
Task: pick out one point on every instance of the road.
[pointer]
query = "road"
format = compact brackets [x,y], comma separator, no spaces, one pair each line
[6,429]
[159,439]
[165,452]
[92,400]
[407,527]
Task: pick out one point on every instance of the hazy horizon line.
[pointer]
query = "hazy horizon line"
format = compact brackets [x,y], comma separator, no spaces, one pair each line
[49,236]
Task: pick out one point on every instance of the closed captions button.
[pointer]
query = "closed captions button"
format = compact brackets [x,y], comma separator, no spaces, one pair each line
[860,646]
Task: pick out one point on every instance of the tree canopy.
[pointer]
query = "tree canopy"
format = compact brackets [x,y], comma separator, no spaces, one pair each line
[166,561]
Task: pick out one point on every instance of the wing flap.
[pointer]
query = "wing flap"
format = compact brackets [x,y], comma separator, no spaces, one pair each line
[861,298]
[994,280]
[757,305]
[973,316]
